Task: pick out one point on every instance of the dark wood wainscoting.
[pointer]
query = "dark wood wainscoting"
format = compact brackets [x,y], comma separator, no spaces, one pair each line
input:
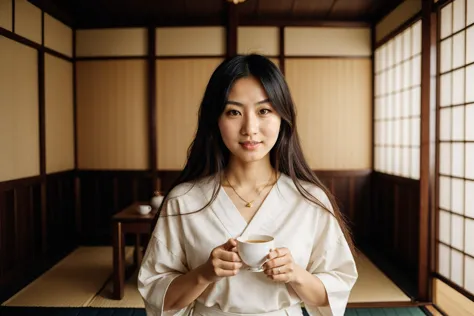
[102,194]
[351,189]
[36,227]
[392,229]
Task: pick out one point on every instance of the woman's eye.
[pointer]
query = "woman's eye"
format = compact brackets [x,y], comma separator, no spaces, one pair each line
[233,112]
[264,111]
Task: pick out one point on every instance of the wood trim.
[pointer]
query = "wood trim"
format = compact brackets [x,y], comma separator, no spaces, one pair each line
[109,57]
[13,16]
[191,57]
[326,57]
[441,3]
[74,95]
[373,45]
[396,179]
[399,29]
[426,155]
[302,22]
[231,30]
[29,43]
[151,63]
[281,56]
[386,304]
[11,184]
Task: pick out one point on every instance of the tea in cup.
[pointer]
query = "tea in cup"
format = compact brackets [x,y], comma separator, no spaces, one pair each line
[253,250]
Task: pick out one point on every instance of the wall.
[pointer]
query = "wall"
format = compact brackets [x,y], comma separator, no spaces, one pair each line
[133,117]
[37,218]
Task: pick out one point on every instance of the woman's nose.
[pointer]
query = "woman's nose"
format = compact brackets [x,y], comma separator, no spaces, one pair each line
[250,125]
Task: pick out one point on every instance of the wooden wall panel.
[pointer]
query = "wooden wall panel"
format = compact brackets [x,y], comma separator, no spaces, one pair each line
[177,112]
[112,121]
[190,41]
[326,41]
[397,17]
[57,35]
[19,120]
[392,221]
[28,20]
[332,98]
[111,42]
[22,256]
[104,193]
[260,40]
[59,116]
[6,14]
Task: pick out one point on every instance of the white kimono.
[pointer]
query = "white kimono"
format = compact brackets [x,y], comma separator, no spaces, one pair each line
[182,243]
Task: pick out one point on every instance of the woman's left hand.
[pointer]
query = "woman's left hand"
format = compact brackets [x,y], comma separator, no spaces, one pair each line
[280,266]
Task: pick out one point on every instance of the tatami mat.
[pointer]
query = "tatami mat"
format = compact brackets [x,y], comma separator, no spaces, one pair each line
[374,286]
[83,279]
[73,282]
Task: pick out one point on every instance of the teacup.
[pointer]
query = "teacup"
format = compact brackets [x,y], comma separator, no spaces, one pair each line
[253,250]
[144,209]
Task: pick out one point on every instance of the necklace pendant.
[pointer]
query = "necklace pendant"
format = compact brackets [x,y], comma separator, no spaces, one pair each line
[249,204]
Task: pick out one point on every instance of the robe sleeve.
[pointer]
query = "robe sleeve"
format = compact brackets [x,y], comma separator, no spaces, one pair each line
[163,261]
[332,262]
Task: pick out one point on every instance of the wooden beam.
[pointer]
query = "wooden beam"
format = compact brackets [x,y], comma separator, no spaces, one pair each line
[231,30]
[427,153]
[281,56]
[152,146]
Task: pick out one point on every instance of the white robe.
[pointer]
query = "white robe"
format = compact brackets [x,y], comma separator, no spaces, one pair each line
[182,243]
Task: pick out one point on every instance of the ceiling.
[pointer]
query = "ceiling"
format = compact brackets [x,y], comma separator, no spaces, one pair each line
[115,13]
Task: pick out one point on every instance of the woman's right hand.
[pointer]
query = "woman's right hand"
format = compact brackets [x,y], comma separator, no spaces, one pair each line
[223,262]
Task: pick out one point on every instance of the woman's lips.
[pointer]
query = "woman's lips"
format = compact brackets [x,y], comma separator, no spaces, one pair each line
[250,145]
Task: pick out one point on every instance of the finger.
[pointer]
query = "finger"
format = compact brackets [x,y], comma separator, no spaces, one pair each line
[228,256]
[279,252]
[226,265]
[231,243]
[277,262]
[226,273]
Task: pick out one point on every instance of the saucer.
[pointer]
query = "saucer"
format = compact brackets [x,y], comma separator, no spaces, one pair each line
[255,269]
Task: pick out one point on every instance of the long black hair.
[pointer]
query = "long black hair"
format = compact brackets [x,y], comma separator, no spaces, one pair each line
[207,154]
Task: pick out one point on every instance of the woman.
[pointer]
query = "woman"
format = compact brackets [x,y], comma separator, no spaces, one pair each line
[246,174]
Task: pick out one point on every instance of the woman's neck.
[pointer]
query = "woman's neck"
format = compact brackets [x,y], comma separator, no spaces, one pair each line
[249,175]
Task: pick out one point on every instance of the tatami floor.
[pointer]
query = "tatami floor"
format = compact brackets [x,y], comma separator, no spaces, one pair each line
[83,279]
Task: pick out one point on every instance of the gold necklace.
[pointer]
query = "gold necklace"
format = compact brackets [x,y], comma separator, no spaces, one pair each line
[249,203]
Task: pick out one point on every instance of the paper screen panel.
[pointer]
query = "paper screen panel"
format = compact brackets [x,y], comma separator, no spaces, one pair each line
[6,14]
[112,123]
[28,20]
[57,35]
[327,41]
[260,40]
[111,42]
[190,41]
[19,120]
[59,116]
[180,87]
[332,98]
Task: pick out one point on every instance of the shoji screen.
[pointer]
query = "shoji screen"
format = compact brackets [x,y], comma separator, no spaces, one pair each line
[456,145]
[397,104]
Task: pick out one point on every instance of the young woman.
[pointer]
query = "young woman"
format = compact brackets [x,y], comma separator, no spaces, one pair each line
[246,174]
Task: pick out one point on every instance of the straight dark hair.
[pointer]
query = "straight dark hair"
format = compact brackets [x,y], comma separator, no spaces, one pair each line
[208,155]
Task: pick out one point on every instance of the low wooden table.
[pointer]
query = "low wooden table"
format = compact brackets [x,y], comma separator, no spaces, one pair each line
[128,221]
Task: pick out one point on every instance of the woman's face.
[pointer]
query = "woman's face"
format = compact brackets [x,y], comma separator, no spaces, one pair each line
[249,125]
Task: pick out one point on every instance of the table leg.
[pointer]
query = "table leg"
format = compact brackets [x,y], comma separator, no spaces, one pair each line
[137,253]
[119,261]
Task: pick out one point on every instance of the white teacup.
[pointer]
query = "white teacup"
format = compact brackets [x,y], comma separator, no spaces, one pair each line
[253,250]
[144,209]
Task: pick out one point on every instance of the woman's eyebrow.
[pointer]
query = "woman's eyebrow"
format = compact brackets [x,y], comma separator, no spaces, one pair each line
[240,104]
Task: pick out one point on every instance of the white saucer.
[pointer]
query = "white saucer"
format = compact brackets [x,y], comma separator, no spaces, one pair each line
[255,269]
